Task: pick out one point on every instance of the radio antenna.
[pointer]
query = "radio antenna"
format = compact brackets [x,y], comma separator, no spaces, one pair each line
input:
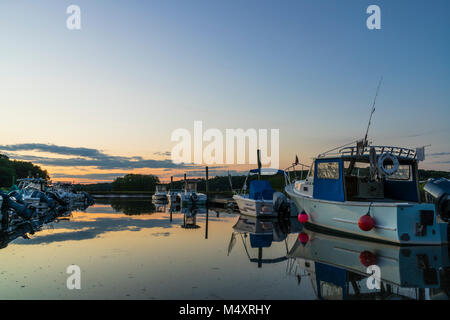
[373,110]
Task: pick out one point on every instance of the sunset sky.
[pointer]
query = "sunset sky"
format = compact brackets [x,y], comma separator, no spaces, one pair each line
[93,104]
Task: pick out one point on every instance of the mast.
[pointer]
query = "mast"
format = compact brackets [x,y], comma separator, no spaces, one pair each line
[372,112]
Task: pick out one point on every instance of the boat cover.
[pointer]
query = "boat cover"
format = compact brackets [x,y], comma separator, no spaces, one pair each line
[261,189]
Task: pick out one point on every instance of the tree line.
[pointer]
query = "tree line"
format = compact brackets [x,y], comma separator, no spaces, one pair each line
[11,170]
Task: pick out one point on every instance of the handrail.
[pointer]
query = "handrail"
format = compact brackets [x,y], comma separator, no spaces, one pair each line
[396,151]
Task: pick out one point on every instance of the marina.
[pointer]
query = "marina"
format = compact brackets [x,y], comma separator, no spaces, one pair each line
[133,251]
[225,155]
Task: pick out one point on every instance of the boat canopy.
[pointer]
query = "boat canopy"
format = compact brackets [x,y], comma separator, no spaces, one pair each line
[328,180]
[261,189]
[267,171]
[334,182]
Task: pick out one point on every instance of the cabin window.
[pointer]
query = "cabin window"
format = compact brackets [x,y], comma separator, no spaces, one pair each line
[403,173]
[328,170]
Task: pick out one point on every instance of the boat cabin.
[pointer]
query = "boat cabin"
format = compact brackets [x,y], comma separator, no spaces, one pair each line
[376,174]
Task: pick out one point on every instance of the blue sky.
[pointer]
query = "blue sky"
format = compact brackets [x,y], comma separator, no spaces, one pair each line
[139,70]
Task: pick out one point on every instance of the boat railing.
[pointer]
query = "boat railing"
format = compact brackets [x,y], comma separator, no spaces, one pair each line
[400,152]
[292,169]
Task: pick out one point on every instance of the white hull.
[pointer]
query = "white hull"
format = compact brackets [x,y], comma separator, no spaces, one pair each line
[188,197]
[159,197]
[394,221]
[254,208]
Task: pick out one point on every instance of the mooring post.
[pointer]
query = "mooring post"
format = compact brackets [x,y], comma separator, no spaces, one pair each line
[206,187]
[171,183]
[258,154]
[206,226]
[185,182]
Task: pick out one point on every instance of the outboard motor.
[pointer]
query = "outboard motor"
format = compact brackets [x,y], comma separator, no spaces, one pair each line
[439,192]
[281,204]
[57,198]
[17,195]
[21,209]
[43,198]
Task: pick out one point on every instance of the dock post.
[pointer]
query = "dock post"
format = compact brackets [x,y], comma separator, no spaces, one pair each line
[206,186]
[185,182]
[207,222]
[171,183]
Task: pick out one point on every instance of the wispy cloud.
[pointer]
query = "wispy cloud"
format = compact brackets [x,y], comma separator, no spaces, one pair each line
[166,153]
[439,154]
[84,157]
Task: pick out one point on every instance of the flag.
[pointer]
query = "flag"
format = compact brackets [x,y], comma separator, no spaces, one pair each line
[420,154]
[296,160]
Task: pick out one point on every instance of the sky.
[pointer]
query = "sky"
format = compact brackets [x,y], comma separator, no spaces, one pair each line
[92,104]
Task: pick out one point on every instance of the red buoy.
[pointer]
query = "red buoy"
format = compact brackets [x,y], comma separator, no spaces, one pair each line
[366,223]
[303,217]
[303,238]
[367,258]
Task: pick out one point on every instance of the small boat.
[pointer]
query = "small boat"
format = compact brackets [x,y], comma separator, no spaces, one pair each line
[172,196]
[160,193]
[65,191]
[371,192]
[262,200]
[190,195]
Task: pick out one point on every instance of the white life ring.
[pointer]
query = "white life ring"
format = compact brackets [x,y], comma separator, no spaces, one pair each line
[383,169]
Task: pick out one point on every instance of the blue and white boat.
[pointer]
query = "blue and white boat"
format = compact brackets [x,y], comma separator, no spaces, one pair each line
[371,192]
[261,200]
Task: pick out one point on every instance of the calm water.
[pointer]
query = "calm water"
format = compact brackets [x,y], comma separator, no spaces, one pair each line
[130,249]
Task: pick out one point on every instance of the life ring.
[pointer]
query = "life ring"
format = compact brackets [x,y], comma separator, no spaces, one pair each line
[194,197]
[381,166]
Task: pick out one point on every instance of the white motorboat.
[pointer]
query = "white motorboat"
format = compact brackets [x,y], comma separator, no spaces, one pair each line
[160,193]
[190,195]
[262,200]
[371,192]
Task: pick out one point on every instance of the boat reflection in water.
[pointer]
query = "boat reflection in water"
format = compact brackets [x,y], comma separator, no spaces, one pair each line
[337,268]
[258,234]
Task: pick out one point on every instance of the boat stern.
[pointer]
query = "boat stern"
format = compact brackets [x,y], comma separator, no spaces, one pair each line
[420,224]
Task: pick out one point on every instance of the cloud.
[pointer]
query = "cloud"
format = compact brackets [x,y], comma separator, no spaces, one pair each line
[93,176]
[439,154]
[85,157]
[166,153]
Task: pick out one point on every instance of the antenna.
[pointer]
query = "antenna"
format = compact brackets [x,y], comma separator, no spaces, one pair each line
[373,110]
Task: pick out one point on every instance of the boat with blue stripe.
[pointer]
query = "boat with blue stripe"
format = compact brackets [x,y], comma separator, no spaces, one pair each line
[372,192]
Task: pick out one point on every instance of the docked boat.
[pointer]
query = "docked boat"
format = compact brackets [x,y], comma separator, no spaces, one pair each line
[160,193]
[371,192]
[172,196]
[190,195]
[262,200]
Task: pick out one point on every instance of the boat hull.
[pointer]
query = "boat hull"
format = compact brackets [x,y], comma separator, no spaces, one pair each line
[159,197]
[254,208]
[394,222]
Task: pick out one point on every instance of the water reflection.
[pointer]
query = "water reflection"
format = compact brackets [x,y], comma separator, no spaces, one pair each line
[257,234]
[337,268]
[133,248]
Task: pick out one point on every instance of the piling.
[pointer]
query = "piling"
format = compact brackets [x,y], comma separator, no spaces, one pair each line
[206,186]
